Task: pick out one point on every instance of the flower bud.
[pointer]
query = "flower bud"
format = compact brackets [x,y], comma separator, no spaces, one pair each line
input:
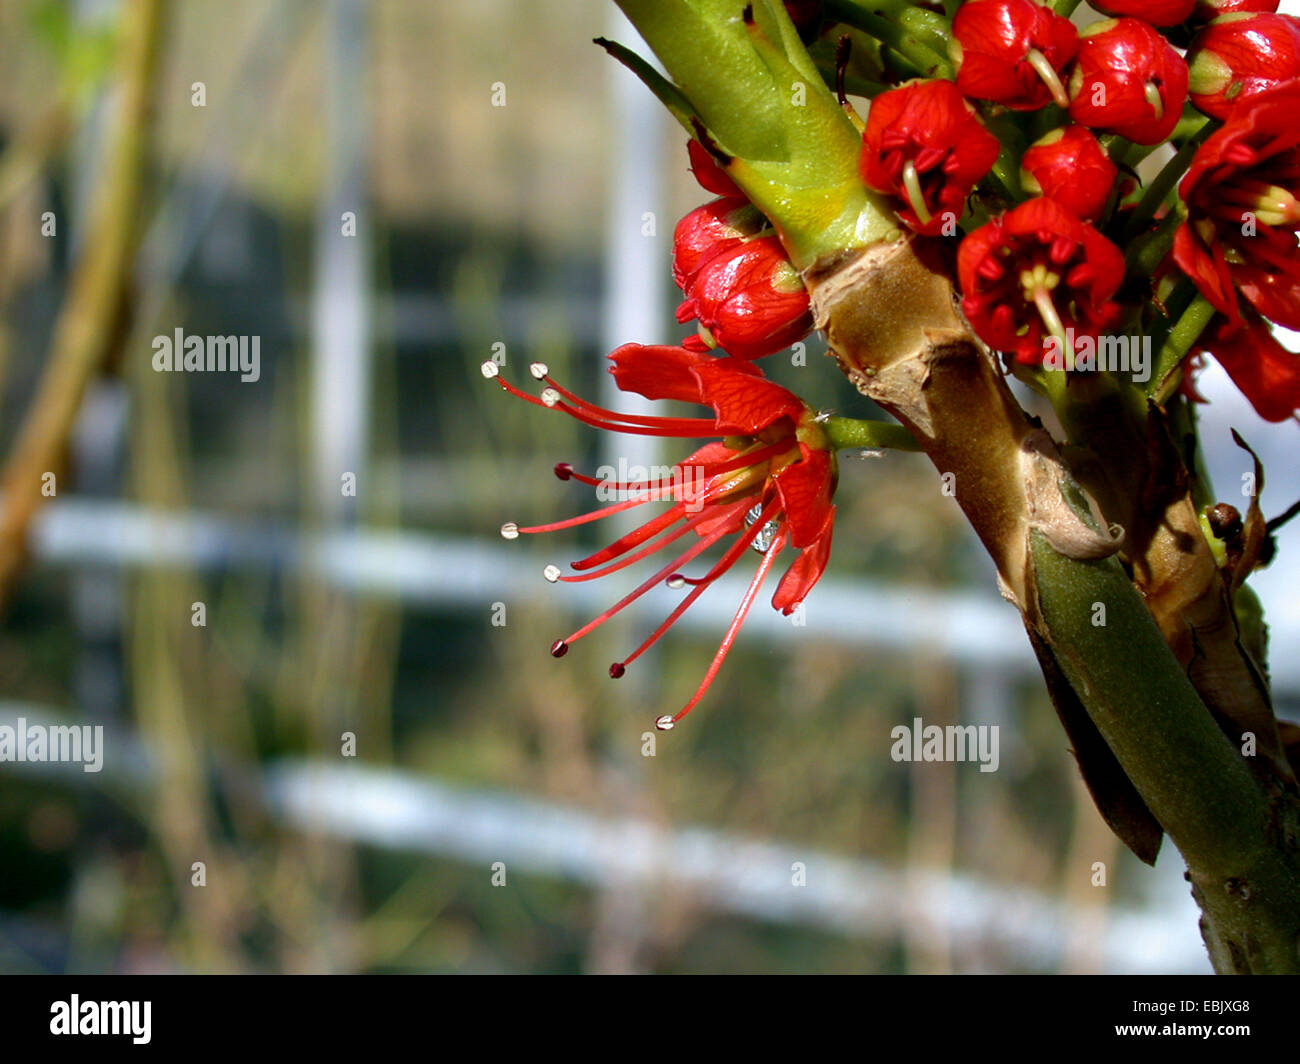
[1012,52]
[1128,80]
[1070,166]
[1205,10]
[1239,56]
[1156,12]
[718,226]
[749,300]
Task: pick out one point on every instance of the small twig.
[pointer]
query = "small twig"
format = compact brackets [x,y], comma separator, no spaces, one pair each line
[89,325]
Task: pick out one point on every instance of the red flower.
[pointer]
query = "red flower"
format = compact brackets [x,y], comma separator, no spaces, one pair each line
[1243,214]
[1038,271]
[924,144]
[1206,10]
[1265,371]
[709,174]
[749,300]
[767,484]
[1012,52]
[1128,80]
[707,231]
[1156,12]
[1239,56]
[1070,166]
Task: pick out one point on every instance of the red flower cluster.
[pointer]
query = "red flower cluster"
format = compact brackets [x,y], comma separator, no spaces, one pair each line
[766,484]
[1042,269]
[1123,76]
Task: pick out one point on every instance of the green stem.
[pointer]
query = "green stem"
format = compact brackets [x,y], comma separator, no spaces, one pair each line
[1164,182]
[903,39]
[1181,339]
[848,433]
[1190,776]
[1148,251]
[1065,7]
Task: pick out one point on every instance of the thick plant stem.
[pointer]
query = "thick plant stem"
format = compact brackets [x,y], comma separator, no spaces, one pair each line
[891,322]
[92,319]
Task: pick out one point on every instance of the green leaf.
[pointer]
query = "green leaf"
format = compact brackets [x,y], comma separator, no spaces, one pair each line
[665,91]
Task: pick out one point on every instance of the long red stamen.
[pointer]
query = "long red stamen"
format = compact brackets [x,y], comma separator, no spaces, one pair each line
[646,532]
[613,415]
[738,548]
[751,593]
[677,427]
[691,552]
[680,478]
[653,638]
[598,417]
[595,515]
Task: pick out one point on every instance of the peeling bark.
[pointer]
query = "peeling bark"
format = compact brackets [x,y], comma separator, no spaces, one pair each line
[1148,746]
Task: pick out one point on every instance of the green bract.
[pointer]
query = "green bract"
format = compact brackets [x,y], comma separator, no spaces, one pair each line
[740,70]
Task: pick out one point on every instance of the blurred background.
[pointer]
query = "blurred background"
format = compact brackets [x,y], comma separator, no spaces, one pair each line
[358,755]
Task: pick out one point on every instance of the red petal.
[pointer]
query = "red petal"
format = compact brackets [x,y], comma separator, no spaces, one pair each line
[806,570]
[1211,278]
[708,173]
[1265,371]
[745,402]
[657,372]
[805,488]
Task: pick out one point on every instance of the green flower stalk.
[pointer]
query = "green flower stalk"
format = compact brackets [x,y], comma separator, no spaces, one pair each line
[744,82]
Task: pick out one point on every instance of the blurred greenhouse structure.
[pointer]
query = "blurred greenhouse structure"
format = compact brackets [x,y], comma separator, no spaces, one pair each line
[358,754]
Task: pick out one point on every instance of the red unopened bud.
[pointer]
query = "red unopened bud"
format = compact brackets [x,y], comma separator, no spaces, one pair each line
[924,145]
[1156,12]
[710,230]
[1239,56]
[1012,52]
[1205,10]
[1070,166]
[709,174]
[750,300]
[1128,80]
